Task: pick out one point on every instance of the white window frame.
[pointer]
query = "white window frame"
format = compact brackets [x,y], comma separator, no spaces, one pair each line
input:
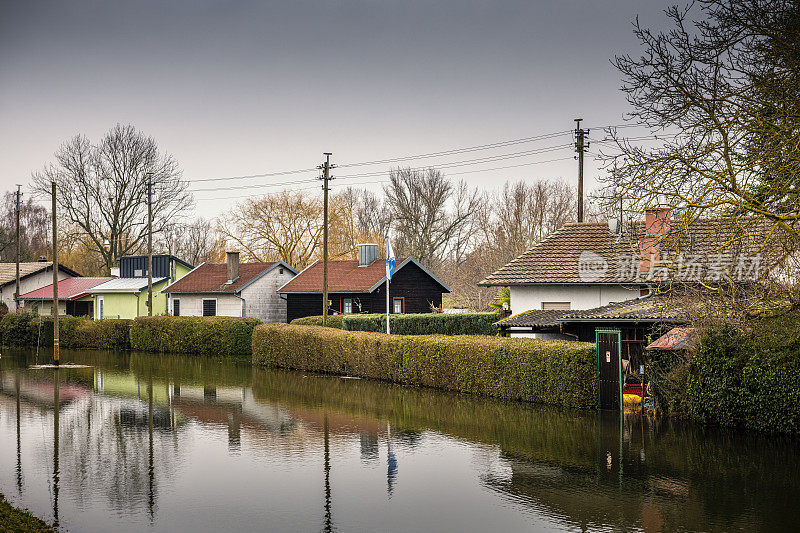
[345,303]
[402,302]
[203,305]
[100,308]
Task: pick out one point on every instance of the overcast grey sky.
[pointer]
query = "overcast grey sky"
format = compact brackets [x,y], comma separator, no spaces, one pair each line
[232,88]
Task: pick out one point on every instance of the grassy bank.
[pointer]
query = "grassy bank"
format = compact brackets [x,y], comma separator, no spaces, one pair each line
[550,372]
[19,520]
[219,336]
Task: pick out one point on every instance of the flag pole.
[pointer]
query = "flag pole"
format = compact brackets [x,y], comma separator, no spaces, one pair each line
[387,305]
[388,252]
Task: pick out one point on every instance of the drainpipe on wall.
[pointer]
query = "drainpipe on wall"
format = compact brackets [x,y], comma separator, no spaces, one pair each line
[137,304]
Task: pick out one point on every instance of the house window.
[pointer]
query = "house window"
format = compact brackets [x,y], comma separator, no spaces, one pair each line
[176,307]
[138,273]
[556,306]
[209,308]
[398,305]
[100,307]
[347,306]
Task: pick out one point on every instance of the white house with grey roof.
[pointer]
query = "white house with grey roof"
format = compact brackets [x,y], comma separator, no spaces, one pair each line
[585,266]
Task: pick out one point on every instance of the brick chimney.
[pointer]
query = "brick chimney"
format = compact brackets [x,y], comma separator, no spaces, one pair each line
[657,222]
[233,266]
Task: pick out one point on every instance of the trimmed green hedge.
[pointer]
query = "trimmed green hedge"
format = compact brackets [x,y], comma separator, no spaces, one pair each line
[426,323]
[552,372]
[28,329]
[746,380]
[334,321]
[221,336]
[412,324]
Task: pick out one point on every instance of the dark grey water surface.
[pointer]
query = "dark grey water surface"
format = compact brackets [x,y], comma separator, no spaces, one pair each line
[164,443]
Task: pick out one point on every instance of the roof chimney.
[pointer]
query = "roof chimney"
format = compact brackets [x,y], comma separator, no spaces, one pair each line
[233,266]
[657,222]
[367,253]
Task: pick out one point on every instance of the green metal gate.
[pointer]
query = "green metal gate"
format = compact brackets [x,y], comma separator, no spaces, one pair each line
[609,368]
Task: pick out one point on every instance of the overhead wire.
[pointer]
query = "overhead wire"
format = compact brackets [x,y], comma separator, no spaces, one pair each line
[454,151]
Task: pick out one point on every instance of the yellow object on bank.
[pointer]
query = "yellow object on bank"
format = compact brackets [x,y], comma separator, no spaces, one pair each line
[631,399]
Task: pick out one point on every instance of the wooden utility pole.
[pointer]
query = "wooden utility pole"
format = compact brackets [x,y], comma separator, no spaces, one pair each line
[149,244]
[326,177]
[16,293]
[55,279]
[581,144]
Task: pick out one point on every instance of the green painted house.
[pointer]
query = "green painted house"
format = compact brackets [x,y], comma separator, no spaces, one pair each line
[126,296]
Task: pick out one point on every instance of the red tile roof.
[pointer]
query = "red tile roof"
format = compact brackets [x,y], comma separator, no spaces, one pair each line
[675,339]
[213,277]
[68,289]
[343,276]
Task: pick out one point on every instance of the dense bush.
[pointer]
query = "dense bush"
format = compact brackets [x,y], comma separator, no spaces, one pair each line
[74,332]
[749,380]
[334,321]
[222,336]
[553,372]
[411,324]
[425,323]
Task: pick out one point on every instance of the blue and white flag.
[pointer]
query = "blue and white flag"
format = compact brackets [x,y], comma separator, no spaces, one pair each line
[390,262]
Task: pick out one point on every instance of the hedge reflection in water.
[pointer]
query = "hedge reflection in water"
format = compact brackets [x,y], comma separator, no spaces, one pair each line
[585,468]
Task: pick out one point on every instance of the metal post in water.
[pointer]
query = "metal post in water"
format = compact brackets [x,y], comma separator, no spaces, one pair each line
[55,279]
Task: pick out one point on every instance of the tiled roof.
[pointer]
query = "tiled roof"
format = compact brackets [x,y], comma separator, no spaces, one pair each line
[68,289]
[539,318]
[646,309]
[124,285]
[213,277]
[343,276]
[8,271]
[561,257]
[674,339]
[347,276]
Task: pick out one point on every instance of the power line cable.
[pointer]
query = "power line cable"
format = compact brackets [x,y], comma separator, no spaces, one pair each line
[454,151]
[455,164]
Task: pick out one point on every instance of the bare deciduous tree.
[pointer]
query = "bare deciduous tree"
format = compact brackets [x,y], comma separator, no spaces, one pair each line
[285,225]
[34,223]
[427,211]
[195,242]
[102,190]
[721,91]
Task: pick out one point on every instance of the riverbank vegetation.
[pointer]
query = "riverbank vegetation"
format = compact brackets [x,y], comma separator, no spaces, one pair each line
[412,324]
[736,376]
[549,372]
[78,333]
[20,520]
[219,336]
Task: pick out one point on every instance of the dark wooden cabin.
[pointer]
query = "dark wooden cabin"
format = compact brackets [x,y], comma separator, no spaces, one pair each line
[359,286]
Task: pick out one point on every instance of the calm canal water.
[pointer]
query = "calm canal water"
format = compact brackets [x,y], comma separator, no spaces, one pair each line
[163,443]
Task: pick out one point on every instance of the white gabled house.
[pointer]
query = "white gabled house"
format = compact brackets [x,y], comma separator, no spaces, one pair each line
[232,289]
[586,266]
[33,275]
